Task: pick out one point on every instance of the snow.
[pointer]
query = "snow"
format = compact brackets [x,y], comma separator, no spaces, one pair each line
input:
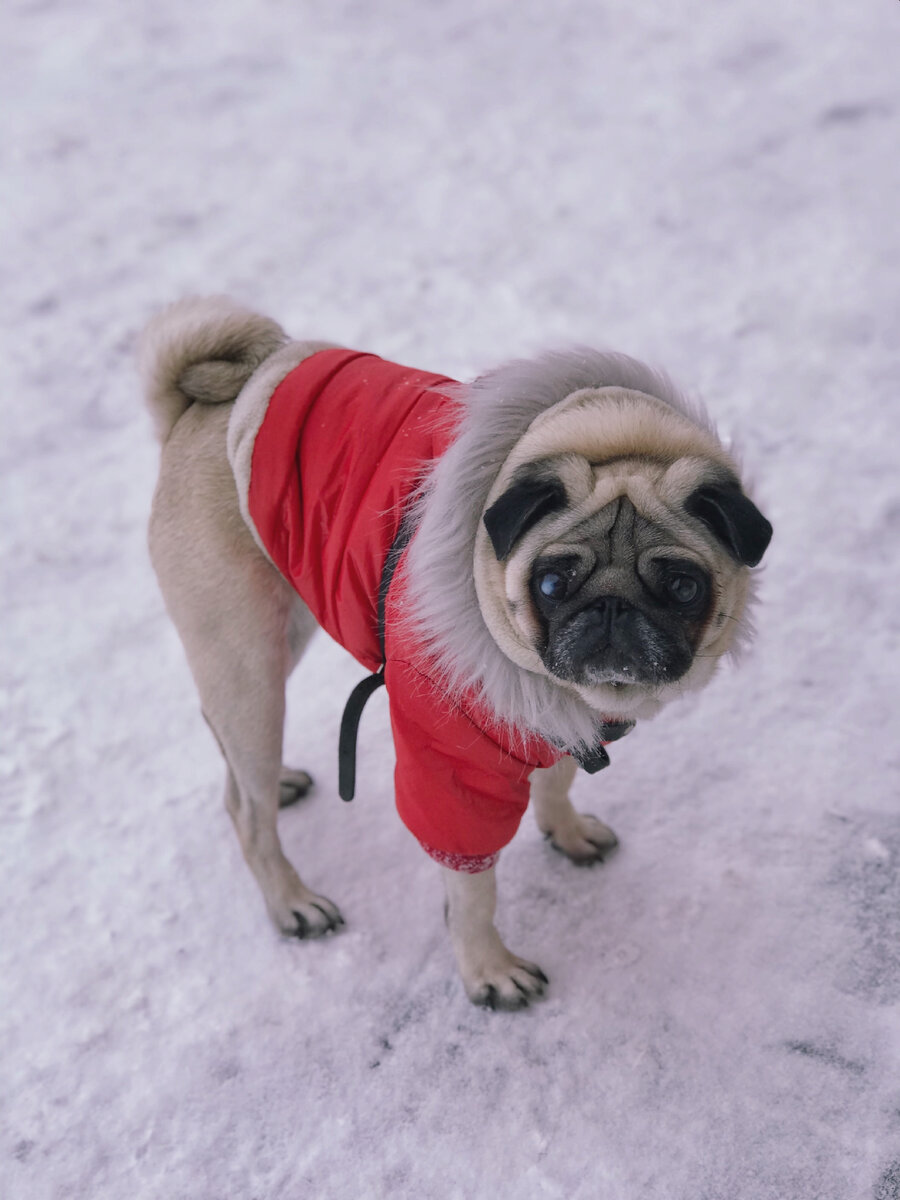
[712,187]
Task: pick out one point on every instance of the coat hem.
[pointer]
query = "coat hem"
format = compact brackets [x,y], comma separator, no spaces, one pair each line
[468,864]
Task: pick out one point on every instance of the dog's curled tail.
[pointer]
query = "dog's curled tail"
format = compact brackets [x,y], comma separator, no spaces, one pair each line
[201,350]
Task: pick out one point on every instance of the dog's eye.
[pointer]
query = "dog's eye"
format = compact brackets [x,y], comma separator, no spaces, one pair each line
[681,584]
[557,580]
[683,589]
[552,585]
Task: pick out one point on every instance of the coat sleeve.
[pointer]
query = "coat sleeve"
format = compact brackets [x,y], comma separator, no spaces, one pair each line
[459,790]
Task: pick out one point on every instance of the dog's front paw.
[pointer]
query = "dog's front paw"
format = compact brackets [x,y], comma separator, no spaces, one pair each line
[301,913]
[315,918]
[582,838]
[509,983]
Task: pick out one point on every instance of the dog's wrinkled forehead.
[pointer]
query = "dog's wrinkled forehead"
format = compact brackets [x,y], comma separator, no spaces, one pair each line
[568,497]
[604,443]
[656,489]
[616,533]
[596,445]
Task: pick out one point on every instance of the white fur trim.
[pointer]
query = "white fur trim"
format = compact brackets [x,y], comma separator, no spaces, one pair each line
[449,547]
[249,411]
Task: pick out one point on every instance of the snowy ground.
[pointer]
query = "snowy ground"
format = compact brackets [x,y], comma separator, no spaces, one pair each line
[714,187]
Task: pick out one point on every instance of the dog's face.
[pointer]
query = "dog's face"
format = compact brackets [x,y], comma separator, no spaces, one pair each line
[624,579]
[617,603]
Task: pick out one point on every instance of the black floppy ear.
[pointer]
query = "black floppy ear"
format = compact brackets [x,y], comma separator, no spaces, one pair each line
[522,505]
[735,520]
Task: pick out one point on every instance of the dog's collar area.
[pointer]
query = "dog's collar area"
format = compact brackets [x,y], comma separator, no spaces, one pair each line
[594,758]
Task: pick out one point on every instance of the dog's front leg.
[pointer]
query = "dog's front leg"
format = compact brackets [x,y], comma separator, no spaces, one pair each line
[491,974]
[580,836]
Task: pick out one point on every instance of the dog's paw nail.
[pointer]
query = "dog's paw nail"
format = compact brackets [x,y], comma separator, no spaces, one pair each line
[315,917]
[526,994]
[333,920]
[496,1001]
[488,998]
[510,986]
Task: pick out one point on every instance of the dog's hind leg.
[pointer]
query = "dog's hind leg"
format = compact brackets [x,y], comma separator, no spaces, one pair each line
[243,628]
[249,728]
[293,785]
[580,836]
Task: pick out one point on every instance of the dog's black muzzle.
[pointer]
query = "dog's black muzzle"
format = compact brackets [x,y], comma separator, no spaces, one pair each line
[614,639]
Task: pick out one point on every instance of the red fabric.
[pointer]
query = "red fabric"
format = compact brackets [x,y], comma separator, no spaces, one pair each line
[344,441]
[342,444]
[459,785]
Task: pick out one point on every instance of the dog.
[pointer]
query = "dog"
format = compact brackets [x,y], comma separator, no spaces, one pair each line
[530,563]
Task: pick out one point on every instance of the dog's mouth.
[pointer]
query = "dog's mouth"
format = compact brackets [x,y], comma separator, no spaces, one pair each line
[628,655]
[597,676]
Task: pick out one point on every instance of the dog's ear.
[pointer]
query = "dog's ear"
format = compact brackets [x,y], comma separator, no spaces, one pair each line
[736,521]
[523,504]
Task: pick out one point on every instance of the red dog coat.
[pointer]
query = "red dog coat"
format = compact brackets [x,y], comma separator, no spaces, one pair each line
[346,438]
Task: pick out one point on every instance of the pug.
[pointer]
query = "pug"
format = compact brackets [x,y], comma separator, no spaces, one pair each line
[531,564]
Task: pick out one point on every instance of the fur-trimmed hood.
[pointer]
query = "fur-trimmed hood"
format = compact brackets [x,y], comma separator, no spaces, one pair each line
[517,406]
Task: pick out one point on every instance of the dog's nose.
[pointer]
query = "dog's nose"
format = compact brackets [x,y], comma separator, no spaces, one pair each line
[608,615]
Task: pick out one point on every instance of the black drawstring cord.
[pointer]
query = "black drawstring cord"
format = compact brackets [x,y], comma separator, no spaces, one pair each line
[359,696]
